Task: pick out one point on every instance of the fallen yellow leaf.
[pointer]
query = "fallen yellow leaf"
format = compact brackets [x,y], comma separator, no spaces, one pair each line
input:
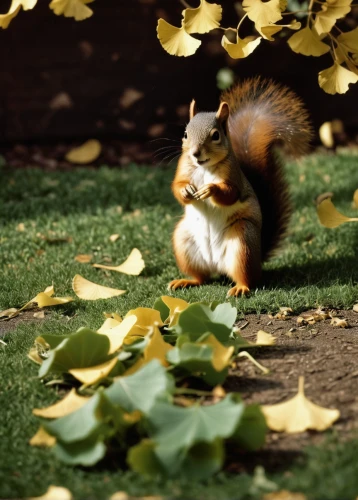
[133,265]
[87,290]
[203,19]
[42,438]
[264,338]
[176,306]
[115,316]
[340,323]
[83,258]
[39,314]
[15,7]
[243,46]
[108,325]
[329,216]
[35,356]
[330,11]
[221,354]
[55,493]
[176,41]
[72,8]
[94,374]
[9,313]
[298,414]
[88,152]
[114,237]
[118,332]
[284,495]
[70,403]
[146,319]
[156,348]
[307,42]
[20,227]
[355,198]
[336,79]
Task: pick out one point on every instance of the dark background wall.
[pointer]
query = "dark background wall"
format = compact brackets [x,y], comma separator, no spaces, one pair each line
[108,77]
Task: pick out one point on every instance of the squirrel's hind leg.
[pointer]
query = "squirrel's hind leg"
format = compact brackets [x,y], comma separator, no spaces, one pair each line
[243,257]
[186,255]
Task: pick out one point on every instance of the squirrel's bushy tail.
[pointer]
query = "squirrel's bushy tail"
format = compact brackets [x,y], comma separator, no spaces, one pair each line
[263,114]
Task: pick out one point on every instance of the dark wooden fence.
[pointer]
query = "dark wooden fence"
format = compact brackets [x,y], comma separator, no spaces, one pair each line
[108,77]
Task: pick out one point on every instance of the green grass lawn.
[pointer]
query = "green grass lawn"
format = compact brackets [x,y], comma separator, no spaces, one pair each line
[317,266]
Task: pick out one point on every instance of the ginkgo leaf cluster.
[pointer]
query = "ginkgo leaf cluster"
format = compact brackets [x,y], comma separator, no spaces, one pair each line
[134,382]
[315,36]
[77,9]
[129,378]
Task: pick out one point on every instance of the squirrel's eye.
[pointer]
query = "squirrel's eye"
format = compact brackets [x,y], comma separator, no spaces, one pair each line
[215,136]
[185,135]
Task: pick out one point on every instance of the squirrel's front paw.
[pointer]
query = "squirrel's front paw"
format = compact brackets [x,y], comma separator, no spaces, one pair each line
[204,192]
[188,192]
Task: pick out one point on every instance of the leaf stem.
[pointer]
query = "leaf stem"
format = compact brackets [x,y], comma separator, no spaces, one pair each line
[245,354]
[310,7]
[301,385]
[186,5]
[241,21]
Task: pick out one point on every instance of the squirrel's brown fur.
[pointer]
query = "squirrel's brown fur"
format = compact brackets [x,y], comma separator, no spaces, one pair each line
[231,183]
[263,114]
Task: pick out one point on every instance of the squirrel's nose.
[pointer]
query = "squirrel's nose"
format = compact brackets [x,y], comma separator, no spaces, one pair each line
[196,152]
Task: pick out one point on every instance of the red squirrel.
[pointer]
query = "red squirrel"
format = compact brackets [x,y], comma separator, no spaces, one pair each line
[232,186]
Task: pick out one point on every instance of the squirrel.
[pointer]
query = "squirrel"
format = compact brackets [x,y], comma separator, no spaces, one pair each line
[232,185]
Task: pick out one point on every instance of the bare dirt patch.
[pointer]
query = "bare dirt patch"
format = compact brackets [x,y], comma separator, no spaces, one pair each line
[8,325]
[325,355]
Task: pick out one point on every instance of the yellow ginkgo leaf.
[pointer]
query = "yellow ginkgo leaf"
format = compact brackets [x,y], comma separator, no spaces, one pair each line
[355,198]
[88,152]
[70,403]
[93,374]
[336,79]
[272,29]
[34,356]
[55,493]
[298,414]
[9,313]
[15,7]
[176,41]
[264,338]
[72,8]
[326,134]
[243,46]
[329,216]
[221,354]
[330,11]
[349,41]
[114,316]
[156,348]
[118,333]
[87,290]
[264,13]
[46,299]
[42,438]
[176,306]
[114,237]
[204,18]
[307,42]
[133,265]
[108,325]
[83,258]
[146,319]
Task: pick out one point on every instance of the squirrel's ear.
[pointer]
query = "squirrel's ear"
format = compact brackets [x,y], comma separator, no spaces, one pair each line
[223,112]
[192,109]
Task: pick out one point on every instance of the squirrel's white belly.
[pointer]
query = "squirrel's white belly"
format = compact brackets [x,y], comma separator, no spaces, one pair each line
[207,224]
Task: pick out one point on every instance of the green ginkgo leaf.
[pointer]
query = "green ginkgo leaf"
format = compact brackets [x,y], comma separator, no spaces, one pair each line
[140,390]
[82,349]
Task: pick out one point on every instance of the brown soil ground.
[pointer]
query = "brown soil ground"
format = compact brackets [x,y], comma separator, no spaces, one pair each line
[325,355]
